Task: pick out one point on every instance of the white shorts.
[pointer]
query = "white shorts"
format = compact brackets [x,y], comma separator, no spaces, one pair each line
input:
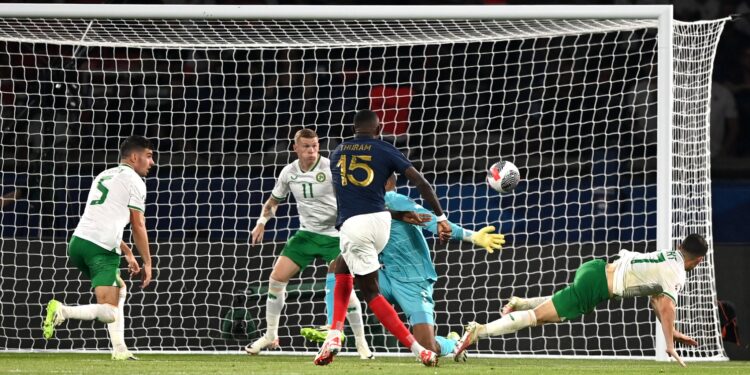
[362,238]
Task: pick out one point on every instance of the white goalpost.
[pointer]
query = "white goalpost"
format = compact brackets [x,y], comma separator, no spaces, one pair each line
[604,109]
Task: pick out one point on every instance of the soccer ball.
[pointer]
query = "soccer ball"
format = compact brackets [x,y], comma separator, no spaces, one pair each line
[503,176]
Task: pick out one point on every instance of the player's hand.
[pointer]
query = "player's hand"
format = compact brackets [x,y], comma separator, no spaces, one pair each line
[487,239]
[683,339]
[444,231]
[673,353]
[145,276]
[415,218]
[258,234]
[133,267]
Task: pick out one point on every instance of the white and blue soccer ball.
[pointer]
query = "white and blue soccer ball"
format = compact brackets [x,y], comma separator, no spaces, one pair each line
[503,176]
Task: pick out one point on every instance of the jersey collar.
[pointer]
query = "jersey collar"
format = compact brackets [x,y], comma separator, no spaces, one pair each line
[317,161]
[126,165]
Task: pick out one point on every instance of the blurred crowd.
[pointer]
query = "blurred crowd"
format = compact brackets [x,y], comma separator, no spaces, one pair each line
[247,101]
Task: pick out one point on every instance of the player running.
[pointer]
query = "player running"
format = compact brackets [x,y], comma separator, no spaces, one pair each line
[362,165]
[117,197]
[408,274]
[659,275]
[309,180]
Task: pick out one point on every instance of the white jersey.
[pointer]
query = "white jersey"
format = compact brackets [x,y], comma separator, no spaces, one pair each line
[665,268]
[313,191]
[113,194]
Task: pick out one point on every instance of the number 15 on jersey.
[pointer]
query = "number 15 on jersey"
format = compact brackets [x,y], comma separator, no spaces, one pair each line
[357,162]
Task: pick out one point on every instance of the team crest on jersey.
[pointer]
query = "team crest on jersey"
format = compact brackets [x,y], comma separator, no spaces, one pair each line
[320,177]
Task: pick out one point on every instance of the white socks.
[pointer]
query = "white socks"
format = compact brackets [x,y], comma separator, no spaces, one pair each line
[354,316]
[274,305]
[532,303]
[510,323]
[104,313]
[117,328]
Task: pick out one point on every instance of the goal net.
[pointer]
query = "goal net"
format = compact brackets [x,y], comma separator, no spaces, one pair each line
[579,104]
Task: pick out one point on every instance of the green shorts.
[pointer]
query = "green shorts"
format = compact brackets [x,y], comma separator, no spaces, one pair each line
[303,247]
[589,288]
[98,264]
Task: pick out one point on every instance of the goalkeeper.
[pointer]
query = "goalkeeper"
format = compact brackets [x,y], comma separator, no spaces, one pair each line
[408,274]
[659,275]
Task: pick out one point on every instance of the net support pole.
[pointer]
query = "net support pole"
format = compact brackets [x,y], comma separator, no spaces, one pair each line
[664,153]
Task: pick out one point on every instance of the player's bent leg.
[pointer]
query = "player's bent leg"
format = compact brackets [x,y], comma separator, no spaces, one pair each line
[57,313]
[368,285]
[521,304]
[107,294]
[546,313]
[510,323]
[284,269]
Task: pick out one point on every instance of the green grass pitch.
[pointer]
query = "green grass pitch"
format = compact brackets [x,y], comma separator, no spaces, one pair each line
[152,364]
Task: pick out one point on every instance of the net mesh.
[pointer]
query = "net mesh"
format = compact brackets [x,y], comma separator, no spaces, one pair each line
[572,103]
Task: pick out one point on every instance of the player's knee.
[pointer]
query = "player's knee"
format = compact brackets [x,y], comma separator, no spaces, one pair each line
[369,290]
[369,294]
[107,313]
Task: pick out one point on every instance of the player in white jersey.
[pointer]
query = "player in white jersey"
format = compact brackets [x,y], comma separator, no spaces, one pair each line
[309,180]
[117,197]
[659,275]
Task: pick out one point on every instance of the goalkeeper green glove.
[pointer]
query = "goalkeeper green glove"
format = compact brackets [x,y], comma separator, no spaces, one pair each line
[485,238]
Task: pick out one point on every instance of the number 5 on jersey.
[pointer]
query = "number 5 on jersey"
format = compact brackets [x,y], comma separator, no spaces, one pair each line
[100,186]
[346,170]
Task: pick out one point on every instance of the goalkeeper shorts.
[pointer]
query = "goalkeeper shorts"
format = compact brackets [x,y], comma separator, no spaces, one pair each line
[413,298]
[98,264]
[589,288]
[303,247]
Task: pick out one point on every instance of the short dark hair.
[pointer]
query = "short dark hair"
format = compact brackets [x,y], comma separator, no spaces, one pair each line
[132,144]
[365,118]
[695,245]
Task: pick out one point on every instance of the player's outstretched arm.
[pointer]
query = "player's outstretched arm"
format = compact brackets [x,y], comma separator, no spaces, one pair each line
[269,211]
[138,224]
[486,238]
[665,311]
[428,194]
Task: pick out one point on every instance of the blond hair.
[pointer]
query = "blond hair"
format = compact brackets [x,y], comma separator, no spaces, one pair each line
[304,133]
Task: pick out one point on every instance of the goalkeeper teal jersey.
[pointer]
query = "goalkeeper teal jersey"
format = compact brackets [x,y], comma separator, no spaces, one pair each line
[406,257]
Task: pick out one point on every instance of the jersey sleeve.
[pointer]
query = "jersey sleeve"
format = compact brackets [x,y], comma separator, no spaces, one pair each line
[400,162]
[281,189]
[137,199]
[673,283]
[400,202]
